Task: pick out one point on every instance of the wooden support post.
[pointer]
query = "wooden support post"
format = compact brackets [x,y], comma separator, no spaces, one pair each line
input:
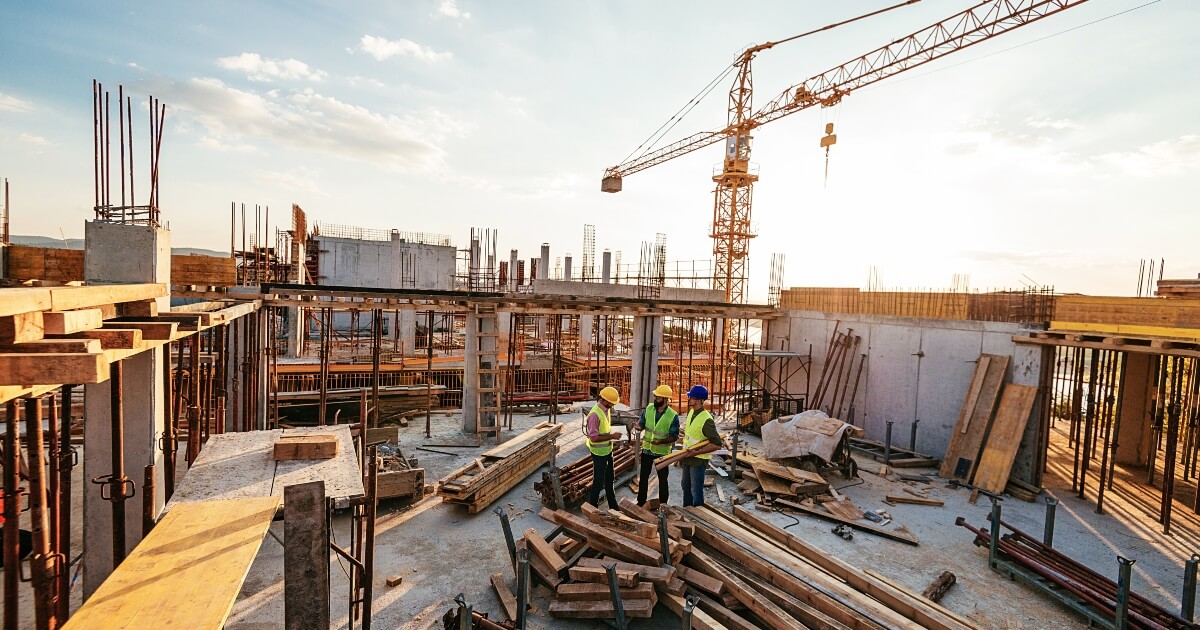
[12,512]
[305,557]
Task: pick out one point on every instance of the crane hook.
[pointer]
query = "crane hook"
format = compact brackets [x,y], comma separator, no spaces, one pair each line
[828,140]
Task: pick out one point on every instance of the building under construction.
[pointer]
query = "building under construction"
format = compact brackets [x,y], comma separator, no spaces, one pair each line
[341,426]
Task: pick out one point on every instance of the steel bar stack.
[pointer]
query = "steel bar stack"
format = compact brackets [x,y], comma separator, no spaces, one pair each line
[576,477]
[488,477]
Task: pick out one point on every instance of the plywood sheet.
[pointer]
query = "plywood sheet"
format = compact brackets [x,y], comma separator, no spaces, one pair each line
[962,456]
[997,459]
[231,466]
[187,572]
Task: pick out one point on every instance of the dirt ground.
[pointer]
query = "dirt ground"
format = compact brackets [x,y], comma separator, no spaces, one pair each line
[441,550]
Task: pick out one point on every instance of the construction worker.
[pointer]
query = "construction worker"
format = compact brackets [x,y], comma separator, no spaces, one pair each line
[660,429]
[598,429]
[698,427]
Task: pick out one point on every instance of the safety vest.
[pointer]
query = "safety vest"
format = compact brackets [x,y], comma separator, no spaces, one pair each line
[599,448]
[657,429]
[693,432]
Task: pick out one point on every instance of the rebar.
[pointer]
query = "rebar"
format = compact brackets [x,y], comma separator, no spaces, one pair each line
[1048,532]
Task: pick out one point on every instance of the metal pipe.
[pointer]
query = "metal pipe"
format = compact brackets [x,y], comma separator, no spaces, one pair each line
[1048,532]
[148,500]
[508,535]
[522,587]
[369,544]
[664,546]
[1124,576]
[40,562]
[67,454]
[912,438]
[169,444]
[117,479]
[1188,607]
[887,444]
[689,604]
[12,512]
[994,539]
[614,591]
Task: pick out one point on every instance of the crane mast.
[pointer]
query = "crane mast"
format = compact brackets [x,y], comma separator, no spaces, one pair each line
[731,227]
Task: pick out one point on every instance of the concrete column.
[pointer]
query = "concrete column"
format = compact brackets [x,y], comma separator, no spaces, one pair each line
[647,343]
[567,268]
[470,384]
[586,322]
[407,326]
[544,263]
[606,267]
[1134,439]
[116,253]
[295,331]
[512,270]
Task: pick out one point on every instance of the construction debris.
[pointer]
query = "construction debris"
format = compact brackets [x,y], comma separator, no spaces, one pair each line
[939,586]
[399,477]
[485,479]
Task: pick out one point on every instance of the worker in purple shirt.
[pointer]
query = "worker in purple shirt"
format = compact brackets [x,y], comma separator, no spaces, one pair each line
[600,438]
[660,429]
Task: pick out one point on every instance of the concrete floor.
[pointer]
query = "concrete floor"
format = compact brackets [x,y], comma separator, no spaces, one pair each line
[442,551]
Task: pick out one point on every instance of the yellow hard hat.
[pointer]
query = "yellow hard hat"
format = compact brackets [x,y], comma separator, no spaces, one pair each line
[611,395]
[662,391]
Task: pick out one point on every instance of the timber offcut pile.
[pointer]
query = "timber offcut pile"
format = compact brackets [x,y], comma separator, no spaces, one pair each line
[489,476]
[743,571]
[576,477]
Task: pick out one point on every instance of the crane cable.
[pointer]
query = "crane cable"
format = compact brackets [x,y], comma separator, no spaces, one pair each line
[650,142]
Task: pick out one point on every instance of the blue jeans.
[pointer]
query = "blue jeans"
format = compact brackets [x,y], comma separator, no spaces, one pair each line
[693,484]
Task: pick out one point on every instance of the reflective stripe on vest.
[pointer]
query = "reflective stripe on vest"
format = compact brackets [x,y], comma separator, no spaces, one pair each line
[693,432]
[657,429]
[604,426]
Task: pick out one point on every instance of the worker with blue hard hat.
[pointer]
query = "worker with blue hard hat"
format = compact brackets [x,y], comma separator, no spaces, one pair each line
[698,427]
[597,427]
[660,430]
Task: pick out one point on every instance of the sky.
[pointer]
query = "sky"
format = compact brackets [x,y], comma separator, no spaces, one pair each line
[1062,153]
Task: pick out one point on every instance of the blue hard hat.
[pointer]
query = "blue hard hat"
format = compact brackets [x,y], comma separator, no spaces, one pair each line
[699,392]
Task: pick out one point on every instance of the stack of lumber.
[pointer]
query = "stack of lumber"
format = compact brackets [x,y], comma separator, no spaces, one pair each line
[990,427]
[576,477]
[489,476]
[201,270]
[767,577]
[1187,288]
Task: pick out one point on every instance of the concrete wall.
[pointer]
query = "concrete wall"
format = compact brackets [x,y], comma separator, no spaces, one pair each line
[600,289]
[916,369]
[395,264]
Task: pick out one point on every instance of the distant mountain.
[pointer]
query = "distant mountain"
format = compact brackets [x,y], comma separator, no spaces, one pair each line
[77,243]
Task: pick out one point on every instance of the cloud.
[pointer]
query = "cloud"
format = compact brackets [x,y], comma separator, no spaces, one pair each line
[303,181]
[449,8]
[9,103]
[1052,123]
[357,80]
[259,68]
[381,49]
[219,144]
[30,138]
[1166,157]
[308,120]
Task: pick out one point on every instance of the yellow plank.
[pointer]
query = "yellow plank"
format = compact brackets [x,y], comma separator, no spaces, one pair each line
[68,298]
[187,572]
[1126,329]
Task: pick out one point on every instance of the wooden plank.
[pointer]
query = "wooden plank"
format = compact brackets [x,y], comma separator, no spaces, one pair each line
[507,600]
[187,572]
[112,338]
[702,582]
[341,474]
[588,591]
[926,613]
[23,300]
[603,540]
[904,498]
[382,435]
[67,322]
[143,308]
[600,576]
[634,608]
[618,522]
[844,509]
[539,569]
[289,447]
[37,369]
[21,327]
[71,298]
[968,440]
[762,607]
[907,538]
[962,622]
[542,549]
[630,508]
[154,331]
[654,574]
[47,346]
[997,460]
[701,620]
[305,556]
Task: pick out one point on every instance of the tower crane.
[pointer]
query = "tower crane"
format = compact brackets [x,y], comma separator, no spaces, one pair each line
[731,227]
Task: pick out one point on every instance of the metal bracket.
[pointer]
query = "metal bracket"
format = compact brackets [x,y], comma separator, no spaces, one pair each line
[127,488]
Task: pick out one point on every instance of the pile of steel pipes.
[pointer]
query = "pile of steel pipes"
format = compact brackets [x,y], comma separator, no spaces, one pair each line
[576,477]
[1116,601]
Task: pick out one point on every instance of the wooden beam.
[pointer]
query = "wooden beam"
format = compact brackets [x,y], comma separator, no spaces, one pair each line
[21,327]
[111,338]
[588,591]
[910,539]
[618,522]
[143,308]
[603,540]
[507,600]
[71,298]
[36,368]
[47,346]
[67,322]
[542,549]
[600,576]
[634,608]
[23,300]
[153,331]
[305,556]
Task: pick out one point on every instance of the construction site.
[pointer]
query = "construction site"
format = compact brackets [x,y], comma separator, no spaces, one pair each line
[344,426]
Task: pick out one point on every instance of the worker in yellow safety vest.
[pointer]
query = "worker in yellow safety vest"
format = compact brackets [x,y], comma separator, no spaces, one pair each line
[698,427]
[660,429]
[598,430]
